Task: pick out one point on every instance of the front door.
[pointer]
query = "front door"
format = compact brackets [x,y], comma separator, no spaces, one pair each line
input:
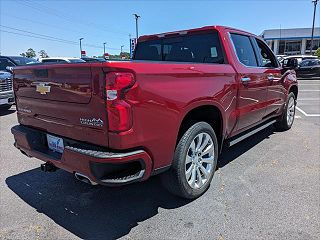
[276,93]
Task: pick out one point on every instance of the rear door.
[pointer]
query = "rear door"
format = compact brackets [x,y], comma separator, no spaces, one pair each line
[252,87]
[271,74]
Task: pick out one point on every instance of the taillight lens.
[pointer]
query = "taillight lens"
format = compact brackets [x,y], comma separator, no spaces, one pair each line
[119,111]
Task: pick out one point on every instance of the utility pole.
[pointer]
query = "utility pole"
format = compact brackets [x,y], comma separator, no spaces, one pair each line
[314,17]
[121,49]
[80,47]
[104,48]
[136,17]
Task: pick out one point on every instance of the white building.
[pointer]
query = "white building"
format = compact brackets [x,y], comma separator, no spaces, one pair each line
[292,41]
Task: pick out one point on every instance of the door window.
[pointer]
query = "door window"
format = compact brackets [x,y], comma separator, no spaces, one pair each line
[304,63]
[268,59]
[244,50]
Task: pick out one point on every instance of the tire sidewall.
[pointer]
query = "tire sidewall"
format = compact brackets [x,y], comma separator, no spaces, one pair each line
[288,126]
[181,152]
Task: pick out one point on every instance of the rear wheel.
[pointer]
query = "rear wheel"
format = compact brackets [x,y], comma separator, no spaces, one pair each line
[194,162]
[287,118]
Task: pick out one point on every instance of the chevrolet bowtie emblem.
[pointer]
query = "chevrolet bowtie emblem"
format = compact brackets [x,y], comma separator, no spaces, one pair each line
[42,88]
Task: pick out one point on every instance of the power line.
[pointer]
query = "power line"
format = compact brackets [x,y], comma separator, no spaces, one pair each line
[41,35]
[60,15]
[47,37]
[57,27]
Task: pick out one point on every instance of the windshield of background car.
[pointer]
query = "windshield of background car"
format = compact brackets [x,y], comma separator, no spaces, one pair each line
[200,48]
[20,61]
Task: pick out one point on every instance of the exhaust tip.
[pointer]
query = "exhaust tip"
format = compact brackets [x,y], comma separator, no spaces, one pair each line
[84,178]
[48,167]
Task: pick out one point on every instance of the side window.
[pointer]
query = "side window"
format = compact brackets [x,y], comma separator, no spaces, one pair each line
[304,63]
[267,57]
[313,63]
[61,61]
[244,50]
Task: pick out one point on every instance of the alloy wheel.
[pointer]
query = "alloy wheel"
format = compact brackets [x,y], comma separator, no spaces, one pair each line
[199,160]
[290,111]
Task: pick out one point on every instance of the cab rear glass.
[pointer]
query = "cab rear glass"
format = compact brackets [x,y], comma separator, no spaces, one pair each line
[198,48]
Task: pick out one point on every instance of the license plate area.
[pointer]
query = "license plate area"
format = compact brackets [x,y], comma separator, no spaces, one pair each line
[55,144]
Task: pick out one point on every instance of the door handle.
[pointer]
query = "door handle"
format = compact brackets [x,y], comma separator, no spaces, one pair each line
[245,80]
[270,77]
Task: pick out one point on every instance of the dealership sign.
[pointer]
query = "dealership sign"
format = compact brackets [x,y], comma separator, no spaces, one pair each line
[133,42]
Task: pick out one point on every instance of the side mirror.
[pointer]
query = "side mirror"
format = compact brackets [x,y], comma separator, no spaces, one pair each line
[9,69]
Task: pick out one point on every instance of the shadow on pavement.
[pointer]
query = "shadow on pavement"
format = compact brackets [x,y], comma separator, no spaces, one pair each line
[91,212]
[7,112]
[230,154]
[100,212]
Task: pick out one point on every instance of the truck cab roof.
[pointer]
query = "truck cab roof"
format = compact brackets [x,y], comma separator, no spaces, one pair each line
[183,32]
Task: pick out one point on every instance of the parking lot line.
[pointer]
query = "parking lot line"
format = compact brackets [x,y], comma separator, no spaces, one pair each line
[308,99]
[310,90]
[309,84]
[307,114]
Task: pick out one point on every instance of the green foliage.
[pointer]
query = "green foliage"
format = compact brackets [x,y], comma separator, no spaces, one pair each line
[123,55]
[30,53]
[43,54]
[318,52]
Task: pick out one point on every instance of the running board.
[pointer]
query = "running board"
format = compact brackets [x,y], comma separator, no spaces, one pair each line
[254,131]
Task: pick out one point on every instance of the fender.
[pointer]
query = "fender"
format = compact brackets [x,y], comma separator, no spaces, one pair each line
[204,102]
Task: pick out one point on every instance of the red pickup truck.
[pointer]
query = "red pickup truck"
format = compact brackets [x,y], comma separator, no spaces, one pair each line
[170,110]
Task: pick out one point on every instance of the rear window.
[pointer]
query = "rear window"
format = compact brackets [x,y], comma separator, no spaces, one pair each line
[200,48]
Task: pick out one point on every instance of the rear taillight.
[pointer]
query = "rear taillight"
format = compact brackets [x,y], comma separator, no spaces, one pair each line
[119,110]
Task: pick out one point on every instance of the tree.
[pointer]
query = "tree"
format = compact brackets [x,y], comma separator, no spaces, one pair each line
[30,53]
[125,55]
[318,52]
[43,54]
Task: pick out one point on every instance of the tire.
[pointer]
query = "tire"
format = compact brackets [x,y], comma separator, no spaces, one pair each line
[194,162]
[287,118]
[5,107]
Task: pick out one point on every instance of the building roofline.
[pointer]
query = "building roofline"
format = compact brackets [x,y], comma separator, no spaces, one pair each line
[290,38]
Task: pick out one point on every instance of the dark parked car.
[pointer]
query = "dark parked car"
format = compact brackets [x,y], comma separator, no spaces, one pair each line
[309,68]
[6,92]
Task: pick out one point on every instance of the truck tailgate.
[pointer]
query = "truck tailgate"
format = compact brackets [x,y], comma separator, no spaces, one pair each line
[65,100]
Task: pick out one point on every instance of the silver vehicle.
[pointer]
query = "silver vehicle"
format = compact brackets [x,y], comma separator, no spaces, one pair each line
[61,60]
[6,91]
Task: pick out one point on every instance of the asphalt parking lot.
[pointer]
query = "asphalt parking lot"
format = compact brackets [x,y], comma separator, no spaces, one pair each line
[266,187]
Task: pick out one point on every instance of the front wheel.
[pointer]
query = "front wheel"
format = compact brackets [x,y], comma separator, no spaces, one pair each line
[287,118]
[194,162]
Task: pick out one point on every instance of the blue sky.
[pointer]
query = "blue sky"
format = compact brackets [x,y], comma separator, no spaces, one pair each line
[112,21]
